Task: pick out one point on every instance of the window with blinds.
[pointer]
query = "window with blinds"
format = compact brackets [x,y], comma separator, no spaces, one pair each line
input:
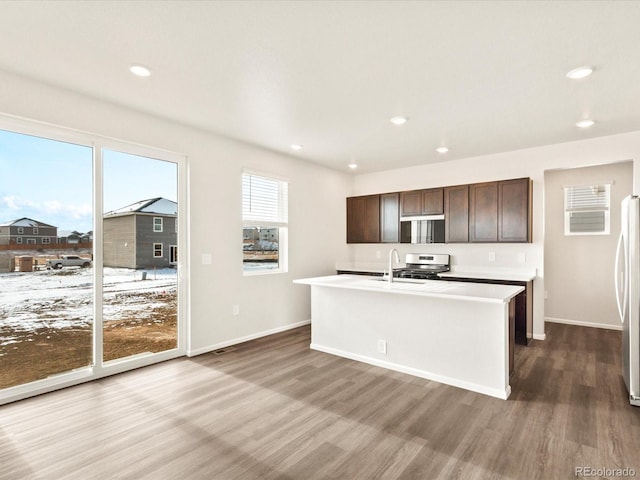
[586,209]
[265,220]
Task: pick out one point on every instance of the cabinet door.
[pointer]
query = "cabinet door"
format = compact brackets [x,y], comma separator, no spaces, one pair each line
[483,212]
[514,210]
[456,212]
[355,219]
[390,218]
[433,201]
[411,203]
[363,219]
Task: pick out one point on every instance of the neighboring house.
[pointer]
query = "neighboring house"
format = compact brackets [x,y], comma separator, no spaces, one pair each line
[75,237]
[142,235]
[26,231]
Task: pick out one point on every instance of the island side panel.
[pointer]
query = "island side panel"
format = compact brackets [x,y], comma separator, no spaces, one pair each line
[458,342]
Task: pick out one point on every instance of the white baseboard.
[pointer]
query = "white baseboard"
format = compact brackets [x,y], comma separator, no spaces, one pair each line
[539,336]
[493,392]
[253,336]
[582,323]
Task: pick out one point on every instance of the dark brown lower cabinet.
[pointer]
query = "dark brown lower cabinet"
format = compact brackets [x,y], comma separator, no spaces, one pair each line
[512,335]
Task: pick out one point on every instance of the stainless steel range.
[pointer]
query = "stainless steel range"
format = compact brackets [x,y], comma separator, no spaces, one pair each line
[423,266]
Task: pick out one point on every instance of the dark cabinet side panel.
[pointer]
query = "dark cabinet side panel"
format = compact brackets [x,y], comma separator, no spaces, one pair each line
[483,212]
[355,219]
[456,212]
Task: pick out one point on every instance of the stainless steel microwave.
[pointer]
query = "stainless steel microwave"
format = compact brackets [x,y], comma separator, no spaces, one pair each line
[422,229]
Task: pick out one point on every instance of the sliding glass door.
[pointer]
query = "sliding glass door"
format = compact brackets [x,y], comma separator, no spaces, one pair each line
[89,238]
[46,257]
[140,232]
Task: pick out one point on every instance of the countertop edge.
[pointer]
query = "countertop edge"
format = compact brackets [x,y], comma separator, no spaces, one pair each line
[325,282]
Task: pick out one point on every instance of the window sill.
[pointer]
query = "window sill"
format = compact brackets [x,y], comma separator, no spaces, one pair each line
[263,272]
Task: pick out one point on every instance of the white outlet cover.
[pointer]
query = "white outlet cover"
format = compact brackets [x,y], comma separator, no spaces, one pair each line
[207,259]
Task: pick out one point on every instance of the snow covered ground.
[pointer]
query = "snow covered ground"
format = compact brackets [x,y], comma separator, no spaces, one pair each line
[64,298]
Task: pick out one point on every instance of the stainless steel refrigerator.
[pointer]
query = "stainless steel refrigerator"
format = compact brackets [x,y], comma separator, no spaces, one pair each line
[627,285]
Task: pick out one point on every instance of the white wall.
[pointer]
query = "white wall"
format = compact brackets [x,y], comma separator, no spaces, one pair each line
[531,163]
[316,211]
[579,268]
[317,215]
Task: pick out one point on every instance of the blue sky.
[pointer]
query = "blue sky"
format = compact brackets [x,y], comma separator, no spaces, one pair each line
[51,181]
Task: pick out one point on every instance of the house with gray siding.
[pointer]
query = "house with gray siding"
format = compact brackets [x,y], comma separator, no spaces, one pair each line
[26,231]
[142,235]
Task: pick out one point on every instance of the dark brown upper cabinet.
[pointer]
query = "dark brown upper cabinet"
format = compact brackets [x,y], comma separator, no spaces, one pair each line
[483,212]
[433,201]
[390,218]
[411,203]
[456,213]
[421,202]
[514,210]
[363,219]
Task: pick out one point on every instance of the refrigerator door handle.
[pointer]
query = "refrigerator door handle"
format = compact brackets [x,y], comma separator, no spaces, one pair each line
[621,307]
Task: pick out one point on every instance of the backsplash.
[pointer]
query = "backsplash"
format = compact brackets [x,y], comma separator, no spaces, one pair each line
[490,256]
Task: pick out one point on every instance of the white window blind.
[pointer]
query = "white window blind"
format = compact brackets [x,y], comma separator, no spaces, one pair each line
[587,209]
[264,201]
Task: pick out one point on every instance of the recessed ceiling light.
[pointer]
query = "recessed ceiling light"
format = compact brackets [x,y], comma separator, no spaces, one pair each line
[353,166]
[140,70]
[442,149]
[580,72]
[398,120]
[296,146]
[585,123]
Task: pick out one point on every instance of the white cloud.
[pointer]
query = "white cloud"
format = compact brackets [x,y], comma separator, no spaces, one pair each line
[46,208]
[9,201]
[15,202]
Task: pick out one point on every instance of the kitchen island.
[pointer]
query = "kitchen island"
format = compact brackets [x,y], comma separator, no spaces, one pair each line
[451,332]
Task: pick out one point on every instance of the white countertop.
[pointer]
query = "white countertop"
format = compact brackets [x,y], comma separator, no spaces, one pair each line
[480,292]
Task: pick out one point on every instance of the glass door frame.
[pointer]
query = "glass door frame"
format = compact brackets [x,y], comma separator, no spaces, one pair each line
[99,368]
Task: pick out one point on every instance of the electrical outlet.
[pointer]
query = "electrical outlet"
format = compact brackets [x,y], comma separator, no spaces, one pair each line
[492,256]
[546,294]
[382,346]
[522,257]
[236,310]
[378,254]
[206,259]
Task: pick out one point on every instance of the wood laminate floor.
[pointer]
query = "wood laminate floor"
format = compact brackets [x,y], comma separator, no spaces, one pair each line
[273,409]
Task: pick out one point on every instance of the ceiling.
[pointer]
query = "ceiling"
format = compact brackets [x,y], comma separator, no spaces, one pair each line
[478,77]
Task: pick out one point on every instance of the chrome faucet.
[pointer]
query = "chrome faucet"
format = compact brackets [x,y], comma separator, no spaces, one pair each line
[391,252]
